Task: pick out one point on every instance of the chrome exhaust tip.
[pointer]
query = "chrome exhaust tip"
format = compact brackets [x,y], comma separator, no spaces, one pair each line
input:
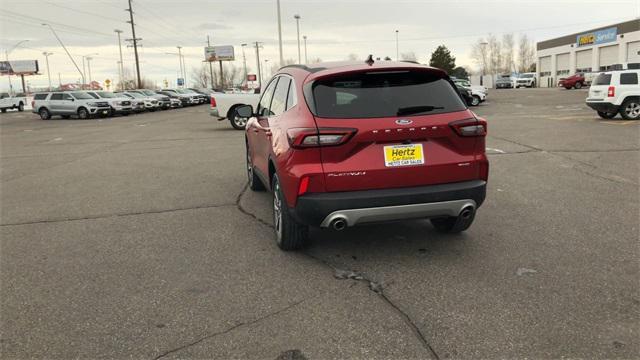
[338,224]
[467,212]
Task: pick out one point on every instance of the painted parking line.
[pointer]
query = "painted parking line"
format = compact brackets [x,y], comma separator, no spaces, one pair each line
[496,150]
[619,122]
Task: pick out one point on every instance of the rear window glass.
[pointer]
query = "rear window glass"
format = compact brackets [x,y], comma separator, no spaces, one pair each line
[385,94]
[602,79]
[40,96]
[628,79]
[57,96]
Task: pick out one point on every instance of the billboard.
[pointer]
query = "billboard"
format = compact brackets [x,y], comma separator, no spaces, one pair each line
[19,67]
[219,53]
[597,37]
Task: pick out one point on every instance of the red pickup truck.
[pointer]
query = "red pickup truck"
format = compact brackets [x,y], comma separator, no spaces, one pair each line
[576,81]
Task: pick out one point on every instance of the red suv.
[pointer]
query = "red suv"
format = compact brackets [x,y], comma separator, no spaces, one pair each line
[341,144]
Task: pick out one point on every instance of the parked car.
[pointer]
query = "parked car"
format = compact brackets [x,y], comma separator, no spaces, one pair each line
[67,104]
[150,103]
[7,101]
[340,146]
[164,102]
[205,93]
[201,97]
[176,100]
[189,99]
[223,106]
[467,96]
[120,105]
[526,80]
[478,92]
[576,81]
[504,82]
[616,92]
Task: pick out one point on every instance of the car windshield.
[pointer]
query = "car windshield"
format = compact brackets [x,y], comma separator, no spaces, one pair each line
[81,95]
[384,94]
[148,92]
[135,95]
[526,76]
[94,95]
[602,79]
[182,91]
[106,94]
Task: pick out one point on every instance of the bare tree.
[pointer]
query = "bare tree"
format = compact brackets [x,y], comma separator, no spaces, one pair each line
[508,48]
[526,54]
[200,76]
[479,54]
[409,56]
[495,54]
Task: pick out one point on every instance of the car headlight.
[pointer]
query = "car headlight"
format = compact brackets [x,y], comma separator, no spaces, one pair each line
[92,104]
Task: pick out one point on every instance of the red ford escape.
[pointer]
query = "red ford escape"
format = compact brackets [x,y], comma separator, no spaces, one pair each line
[341,144]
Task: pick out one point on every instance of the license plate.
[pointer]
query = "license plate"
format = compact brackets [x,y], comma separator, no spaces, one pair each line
[105,112]
[403,155]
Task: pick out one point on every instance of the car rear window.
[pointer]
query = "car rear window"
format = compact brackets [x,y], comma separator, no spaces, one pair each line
[385,94]
[39,96]
[602,79]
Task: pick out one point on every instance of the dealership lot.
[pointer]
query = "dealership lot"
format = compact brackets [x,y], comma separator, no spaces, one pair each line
[136,237]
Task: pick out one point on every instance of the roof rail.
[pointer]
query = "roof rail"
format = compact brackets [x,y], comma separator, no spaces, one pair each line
[297,66]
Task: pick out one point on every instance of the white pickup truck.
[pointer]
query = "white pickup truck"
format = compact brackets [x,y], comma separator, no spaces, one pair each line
[11,102]
[223,106]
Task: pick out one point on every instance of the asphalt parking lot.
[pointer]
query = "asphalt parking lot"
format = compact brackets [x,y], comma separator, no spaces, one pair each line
[135,237]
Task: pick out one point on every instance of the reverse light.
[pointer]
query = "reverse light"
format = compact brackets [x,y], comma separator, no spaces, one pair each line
[469,127]
[611,92]
[304,185]
[310,137]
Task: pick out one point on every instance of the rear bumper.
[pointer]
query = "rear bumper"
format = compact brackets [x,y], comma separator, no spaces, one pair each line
[603,107]
[357,207]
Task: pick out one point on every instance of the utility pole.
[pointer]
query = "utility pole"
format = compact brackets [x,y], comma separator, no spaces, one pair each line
[221,77]
[181,68]
[210,65]
[297,17]
[135,44]
[65,49]
[244,64]
[46,56]
[120,66]
[258,61]
[59,80]
[279,39]
[306,60]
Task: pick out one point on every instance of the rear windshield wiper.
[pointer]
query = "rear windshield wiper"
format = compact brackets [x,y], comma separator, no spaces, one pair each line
[416,109]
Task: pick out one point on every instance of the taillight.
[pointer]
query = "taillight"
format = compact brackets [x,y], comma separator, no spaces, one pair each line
[33,103]
[470,127]
[304,185]
[310,137]
[611,92]
[213,102]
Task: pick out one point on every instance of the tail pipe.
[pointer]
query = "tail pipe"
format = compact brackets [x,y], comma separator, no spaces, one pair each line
[338,224]
[467,212]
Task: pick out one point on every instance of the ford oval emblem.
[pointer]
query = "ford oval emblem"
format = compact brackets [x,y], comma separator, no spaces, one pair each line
[404,121]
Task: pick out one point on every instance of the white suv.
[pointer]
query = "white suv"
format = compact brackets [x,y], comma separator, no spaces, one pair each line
[67,104]
[616,92]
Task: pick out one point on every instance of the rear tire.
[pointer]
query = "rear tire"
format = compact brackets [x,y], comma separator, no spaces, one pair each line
[237,122]
[289,234]
[475,100]
[606,115]
[21,107]
[44,114]
[453,225]
[630,109]
[578,86]
[255,183]
[3,110]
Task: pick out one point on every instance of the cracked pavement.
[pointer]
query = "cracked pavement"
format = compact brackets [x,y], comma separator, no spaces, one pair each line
[128,241]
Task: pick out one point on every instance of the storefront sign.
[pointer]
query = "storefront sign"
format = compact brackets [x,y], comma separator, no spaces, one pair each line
[597,37]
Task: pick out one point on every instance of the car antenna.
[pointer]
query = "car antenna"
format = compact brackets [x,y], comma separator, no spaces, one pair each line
[369,60]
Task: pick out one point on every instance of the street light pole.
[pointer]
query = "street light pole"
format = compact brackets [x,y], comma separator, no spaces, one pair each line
[297,17]
[89,68]
[120,66]
[483,46]
[6,55]
[306,60]
[279,37]
[258,64]
[397,47]
[46,56]
[181,68]
[84,74]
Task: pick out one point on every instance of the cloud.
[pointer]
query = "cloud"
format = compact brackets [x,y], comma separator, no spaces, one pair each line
[212,26]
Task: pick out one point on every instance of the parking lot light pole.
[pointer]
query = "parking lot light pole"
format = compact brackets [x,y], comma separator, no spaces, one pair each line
[84,70]
[89,58]
[397,47]
[120,66]
[6,55]
[306,60]
[483,46]
[279,38]
[46,57]
[297,17]
[184,81]
[244,63]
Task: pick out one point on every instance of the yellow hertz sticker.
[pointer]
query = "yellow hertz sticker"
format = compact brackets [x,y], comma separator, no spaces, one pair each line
[403,155]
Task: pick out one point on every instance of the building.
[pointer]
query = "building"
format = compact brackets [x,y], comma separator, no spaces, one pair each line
[605,48]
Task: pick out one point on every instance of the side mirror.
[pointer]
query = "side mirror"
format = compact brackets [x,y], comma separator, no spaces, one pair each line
[244,111]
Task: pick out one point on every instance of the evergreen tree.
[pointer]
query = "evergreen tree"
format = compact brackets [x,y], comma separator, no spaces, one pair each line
[441,58]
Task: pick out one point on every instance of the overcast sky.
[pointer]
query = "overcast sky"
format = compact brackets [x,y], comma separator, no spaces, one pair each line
[334,29]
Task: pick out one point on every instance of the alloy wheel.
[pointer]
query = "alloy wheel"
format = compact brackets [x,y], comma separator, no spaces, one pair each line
[277,212]
[633,110]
